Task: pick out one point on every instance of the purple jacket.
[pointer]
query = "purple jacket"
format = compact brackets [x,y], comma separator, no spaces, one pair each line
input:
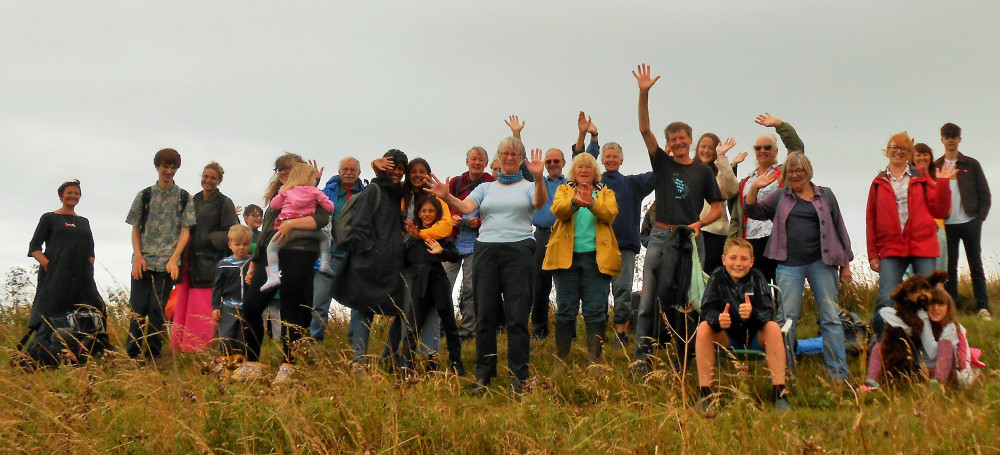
[835,242]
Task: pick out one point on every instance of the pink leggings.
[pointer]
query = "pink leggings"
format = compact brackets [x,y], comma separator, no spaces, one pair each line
[944,366]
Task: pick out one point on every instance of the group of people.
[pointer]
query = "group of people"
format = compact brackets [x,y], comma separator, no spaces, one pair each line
[399,242]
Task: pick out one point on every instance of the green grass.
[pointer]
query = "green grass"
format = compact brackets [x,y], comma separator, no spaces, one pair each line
[179,406]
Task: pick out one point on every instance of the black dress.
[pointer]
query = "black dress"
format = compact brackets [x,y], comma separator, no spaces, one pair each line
[69,280]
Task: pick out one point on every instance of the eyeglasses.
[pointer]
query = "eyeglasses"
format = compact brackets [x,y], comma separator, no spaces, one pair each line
[282,169]
[553,161]
[510,155]
[897,148]
[798,171]
[757,148]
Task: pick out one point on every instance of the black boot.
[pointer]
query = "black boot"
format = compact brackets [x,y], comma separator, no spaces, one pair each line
[595,340]
[458,367]
[565,332]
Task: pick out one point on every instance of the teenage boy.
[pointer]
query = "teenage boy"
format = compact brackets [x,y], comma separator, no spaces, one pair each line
[161,217]
[253,217]
[970,204]
[682,187]
[746,324]
[227,295]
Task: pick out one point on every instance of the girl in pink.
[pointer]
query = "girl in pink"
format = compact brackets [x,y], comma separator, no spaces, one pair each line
[298,198]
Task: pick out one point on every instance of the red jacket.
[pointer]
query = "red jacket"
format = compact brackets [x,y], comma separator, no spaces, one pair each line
[927,201]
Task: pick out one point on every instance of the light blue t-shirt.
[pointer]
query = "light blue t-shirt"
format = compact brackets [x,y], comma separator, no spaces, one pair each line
[506,211]
[584,230]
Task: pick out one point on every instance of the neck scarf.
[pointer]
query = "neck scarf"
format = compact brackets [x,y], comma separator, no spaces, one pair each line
[507,179]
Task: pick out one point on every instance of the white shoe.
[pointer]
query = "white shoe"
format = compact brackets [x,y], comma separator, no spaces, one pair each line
[249,371]
[985,315]
[284,375]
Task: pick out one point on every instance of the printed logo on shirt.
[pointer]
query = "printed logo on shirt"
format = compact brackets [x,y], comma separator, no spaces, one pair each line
[682,189]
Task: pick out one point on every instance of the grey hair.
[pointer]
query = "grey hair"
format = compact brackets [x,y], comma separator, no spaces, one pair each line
[513,143]
[769,136]
[482,152]
[797,159]
[350,158]
[611,145]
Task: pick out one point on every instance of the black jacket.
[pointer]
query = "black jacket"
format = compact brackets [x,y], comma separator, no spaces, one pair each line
[210,237]
[370,280]
[721,289]
[972,186]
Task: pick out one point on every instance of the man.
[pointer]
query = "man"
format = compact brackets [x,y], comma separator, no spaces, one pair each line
[970,204]
[339,189]
[465,233]
[629,190]
[682,187]
[543,220]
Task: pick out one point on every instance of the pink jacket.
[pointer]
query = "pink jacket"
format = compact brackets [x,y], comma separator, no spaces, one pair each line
[300,201]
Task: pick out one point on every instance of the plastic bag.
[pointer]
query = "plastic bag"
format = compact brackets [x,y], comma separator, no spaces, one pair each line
[699,279]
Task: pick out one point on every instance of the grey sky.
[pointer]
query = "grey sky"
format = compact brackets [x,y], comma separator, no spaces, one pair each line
[91,90]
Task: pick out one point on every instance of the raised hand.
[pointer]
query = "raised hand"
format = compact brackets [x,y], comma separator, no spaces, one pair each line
[766,179]
[643,78]
[745,307]
[947,171]
[724,319]
[239,210]
[768,120]
[433,247]
[436,187]
[536,165]
[318,175]
[583,123]
[725,146]
[383,164]
[411,227]
[739,159]
[515,125]
[584,196]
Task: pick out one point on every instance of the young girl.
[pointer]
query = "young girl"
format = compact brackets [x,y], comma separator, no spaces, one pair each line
[298,198]
[948,349]
[430,288]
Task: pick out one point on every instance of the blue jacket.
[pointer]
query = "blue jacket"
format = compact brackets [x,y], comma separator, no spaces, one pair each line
[630,190]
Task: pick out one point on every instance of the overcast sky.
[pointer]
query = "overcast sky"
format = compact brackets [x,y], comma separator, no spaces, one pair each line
[91,90]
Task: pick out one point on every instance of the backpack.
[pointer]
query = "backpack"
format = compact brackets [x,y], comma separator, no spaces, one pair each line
[147,195]
[71,338]
[343,226]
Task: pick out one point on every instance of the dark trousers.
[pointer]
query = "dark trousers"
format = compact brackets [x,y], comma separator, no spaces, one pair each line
[230,331]
[502,269]
[542,284]
[148,298]
[296,302]
[714,244]
[970,234]
[760,262]
[437,299]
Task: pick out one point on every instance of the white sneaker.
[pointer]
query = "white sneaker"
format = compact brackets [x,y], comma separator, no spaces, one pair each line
[249,371]
[284,375]
[985,315]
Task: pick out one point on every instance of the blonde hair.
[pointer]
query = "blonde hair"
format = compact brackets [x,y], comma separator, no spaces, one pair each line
[240,233]
[737,242]
[300,175]
[215,166]
[583,159]
[275,183]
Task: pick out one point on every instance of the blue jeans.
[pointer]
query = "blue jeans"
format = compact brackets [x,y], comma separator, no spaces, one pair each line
[582,281]
[890,276]
[322,299]
[823,282]
[621,288]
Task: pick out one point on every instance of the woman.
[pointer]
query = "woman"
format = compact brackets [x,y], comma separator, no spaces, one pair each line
[712,153]
[297,258]
[808,241]
[902,205]
[193,327]
[66,267]
[503,258]
[583,255]
[923,160]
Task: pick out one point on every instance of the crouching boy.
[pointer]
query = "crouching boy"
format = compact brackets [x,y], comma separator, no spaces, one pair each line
[227,295]
[737,310]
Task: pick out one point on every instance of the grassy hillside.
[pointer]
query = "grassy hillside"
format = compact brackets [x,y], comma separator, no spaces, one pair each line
[179,405]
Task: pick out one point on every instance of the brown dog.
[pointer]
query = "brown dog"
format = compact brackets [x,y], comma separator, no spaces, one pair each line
[901,352]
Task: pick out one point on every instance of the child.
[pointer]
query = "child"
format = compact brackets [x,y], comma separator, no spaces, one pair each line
[948,350]
[298,198]
[161,217]
[749,324]
[253,216]
[430,289]
[227,295]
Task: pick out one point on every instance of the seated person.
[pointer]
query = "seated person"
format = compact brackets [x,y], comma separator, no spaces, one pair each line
[747,325]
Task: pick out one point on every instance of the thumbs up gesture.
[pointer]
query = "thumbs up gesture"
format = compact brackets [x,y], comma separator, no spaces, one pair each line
[724,321]
[745,307]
